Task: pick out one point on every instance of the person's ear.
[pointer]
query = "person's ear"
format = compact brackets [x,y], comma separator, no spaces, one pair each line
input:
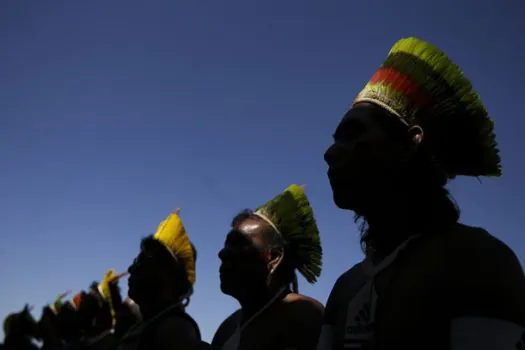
[276,257]
[416,133]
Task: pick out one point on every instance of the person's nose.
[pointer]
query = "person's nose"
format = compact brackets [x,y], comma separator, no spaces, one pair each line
[222,254]
[133,266]
[330,154]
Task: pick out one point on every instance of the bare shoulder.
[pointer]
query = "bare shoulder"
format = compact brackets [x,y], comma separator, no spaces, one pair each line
[225,330]
[295,298]
[302,308]
[302,321]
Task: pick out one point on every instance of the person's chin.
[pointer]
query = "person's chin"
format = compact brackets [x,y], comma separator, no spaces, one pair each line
[341,195]
[225,286]
[229,286]
[342,201]
[225,289]
[133,295]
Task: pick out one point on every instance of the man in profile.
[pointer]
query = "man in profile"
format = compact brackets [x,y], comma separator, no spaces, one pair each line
[427,281]
[259,260]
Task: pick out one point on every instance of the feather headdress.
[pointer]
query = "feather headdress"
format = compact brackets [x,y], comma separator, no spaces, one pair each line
[77,300]
[104,290]
[172,234]
[58,303]
[422,86]
[291,215]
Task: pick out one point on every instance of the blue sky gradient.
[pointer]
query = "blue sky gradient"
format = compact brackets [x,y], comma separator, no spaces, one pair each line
[113,113]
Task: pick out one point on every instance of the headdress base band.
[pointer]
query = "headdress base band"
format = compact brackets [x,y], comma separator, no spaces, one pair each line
[380,104]
[268,221]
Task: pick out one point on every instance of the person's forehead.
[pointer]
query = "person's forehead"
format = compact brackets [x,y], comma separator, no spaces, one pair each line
[367,116]
[251,227]
[248,231]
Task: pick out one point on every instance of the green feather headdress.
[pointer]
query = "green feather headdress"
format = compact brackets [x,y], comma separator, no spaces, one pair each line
[422,86]
[292,216]
[58,303]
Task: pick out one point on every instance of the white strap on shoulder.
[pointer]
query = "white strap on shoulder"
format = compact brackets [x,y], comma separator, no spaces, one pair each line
[479,333]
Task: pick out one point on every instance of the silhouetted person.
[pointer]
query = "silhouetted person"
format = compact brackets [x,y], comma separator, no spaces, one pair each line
[261,254]
[48,327]
[68,321]
[428,281]
[161,283]
[19,331]
[96,317]
[48,330]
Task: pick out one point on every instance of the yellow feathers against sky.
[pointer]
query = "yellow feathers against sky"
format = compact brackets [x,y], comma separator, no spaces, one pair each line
[104,285]
[172,234]
[104,290]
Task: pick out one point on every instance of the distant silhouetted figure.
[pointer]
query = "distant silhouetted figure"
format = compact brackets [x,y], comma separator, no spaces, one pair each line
[20,329]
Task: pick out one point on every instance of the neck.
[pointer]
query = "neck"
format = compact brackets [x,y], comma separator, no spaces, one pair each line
[255,301]
[401,215]
[150,310]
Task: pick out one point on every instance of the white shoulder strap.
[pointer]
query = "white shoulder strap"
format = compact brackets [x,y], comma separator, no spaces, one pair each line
[479,333]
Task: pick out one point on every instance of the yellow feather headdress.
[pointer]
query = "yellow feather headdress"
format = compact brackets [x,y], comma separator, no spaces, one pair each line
[172,234]
[111,276]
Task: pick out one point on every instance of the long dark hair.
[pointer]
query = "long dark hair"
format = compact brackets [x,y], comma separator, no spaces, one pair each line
[420,177]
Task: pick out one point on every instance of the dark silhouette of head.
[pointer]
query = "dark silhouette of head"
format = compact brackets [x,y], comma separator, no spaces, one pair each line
[253,258]
[68,323]
[48,327]
[380,167]
[157,278]
[94,312]
[20,327]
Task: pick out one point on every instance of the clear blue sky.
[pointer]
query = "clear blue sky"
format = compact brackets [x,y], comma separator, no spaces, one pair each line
[113,113]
